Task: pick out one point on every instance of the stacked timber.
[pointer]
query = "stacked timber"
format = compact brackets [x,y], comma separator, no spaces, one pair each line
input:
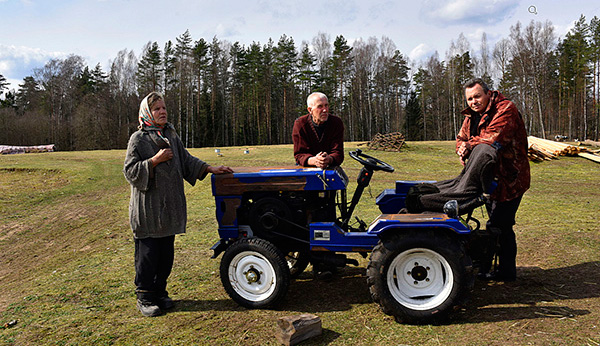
[543,149]
[591,156]
[11,149]
[556,148]
[537,153]
[388,142]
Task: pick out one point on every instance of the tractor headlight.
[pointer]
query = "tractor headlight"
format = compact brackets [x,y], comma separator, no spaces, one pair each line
[451,208]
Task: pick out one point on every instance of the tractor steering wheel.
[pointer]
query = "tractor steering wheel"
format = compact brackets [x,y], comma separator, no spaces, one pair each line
[370,162]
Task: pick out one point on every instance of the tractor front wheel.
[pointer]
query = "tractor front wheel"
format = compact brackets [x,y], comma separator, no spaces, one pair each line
[254,273]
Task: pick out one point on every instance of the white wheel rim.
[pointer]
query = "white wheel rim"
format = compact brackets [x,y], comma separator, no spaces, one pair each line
[252,276]
[420,279]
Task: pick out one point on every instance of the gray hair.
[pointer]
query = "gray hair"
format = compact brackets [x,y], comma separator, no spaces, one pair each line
[471,83]
[311,97]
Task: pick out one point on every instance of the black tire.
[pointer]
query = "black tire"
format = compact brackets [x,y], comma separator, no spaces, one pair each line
[297,262]
[254,273]
[419,276]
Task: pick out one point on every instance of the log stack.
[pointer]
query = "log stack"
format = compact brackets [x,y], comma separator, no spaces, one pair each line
[543,149]
[12,149]
[388,142]
[555,148]
[537,153]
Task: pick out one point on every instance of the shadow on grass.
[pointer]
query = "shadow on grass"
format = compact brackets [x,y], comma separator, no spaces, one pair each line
[533,292]
[526,298]
[348,287]
[326,338]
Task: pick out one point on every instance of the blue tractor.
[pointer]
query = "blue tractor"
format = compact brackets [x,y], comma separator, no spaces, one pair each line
[273,222]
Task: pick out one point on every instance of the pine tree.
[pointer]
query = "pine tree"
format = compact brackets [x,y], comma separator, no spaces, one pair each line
[414,118]
[307,74]
[149,69]
[595,61]
[341,69]
[3,84]
[573,69]
[285,63]
[201,62]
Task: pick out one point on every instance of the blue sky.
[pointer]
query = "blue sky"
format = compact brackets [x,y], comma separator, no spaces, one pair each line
[34,31]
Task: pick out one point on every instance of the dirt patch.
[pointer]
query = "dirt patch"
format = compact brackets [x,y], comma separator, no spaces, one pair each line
[24,186]
[33,244]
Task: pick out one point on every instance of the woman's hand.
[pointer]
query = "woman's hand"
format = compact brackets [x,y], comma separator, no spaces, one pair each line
[162,156]
[219,170]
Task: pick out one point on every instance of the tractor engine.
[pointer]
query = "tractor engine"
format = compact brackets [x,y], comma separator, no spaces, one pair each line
[283,217]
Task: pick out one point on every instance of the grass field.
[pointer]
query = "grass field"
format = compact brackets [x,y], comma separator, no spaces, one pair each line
[66,261]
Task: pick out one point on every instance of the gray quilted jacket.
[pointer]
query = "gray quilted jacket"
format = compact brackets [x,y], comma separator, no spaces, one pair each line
[157,207]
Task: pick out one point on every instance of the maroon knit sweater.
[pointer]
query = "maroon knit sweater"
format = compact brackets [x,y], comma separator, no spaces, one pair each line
[308,144]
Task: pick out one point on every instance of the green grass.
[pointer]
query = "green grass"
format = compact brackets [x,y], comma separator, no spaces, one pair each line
[66,261]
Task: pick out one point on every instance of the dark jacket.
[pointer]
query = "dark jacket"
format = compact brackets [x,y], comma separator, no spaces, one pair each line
[502,127]
[307,142]
[157,207]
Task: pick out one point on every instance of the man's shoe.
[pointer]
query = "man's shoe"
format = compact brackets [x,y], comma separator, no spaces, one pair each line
[166,303]
[148,309]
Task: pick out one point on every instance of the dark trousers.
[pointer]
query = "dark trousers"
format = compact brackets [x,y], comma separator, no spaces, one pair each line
[501,221]
[153,263]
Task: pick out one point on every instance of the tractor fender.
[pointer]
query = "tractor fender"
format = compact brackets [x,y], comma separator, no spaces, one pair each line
[388,223]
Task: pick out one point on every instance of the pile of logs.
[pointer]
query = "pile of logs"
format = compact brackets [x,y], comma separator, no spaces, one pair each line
[11,149]
[388,142]
[543,149]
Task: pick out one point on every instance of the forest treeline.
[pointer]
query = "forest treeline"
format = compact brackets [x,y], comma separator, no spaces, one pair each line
[220,93]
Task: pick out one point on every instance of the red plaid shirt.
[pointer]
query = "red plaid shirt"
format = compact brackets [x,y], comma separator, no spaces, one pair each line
[501,126]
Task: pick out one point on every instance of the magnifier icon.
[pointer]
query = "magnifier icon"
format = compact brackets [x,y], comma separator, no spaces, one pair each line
[532,9]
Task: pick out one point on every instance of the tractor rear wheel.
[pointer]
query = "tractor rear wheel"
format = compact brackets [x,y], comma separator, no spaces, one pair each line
[419,276]
[254,273]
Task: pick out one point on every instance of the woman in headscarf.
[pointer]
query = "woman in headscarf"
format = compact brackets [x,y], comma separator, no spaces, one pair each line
[156,165]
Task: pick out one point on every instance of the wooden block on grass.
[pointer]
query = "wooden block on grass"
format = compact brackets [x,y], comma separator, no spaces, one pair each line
[295,329]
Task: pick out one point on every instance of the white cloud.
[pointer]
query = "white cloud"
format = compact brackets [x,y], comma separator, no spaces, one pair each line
[467,11]
[475,36]
[26,54]
[5,65]
[562,30]
[421,51]
[224,31]
[19,61]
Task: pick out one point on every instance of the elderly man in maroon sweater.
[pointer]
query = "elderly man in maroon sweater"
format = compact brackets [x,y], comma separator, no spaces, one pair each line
[319,142]
[318,136]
